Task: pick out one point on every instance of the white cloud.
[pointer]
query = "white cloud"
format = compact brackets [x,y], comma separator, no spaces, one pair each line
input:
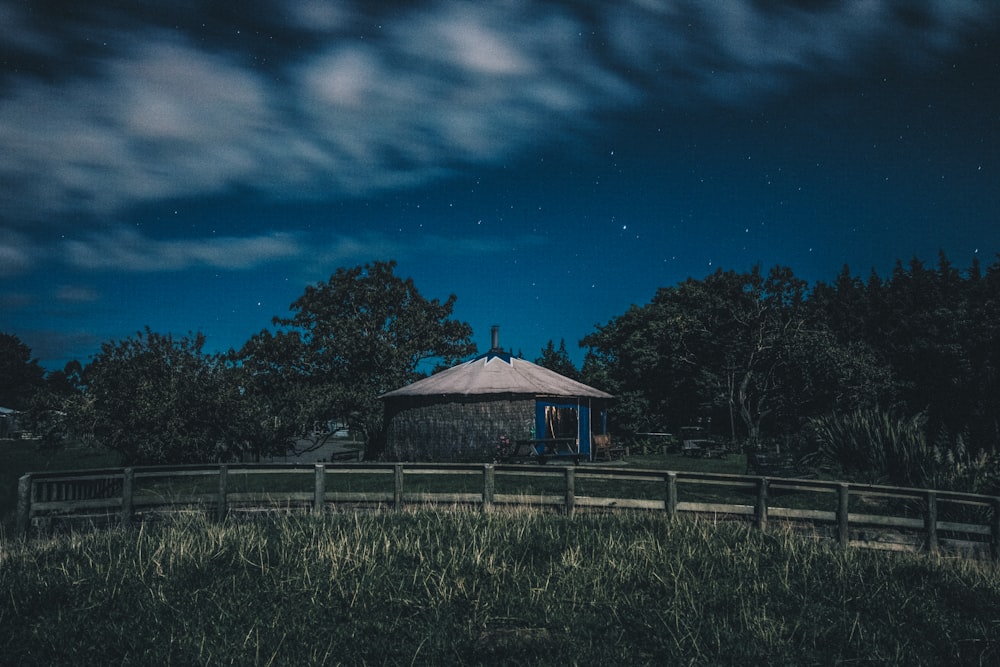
[17,253]
[128,251]
[736,51]
[16,31]
[358,249]
[169,121]
[11,301]
[470,40]
[75,294]
[451,86]
[387,100]
[318,15]
[124,250]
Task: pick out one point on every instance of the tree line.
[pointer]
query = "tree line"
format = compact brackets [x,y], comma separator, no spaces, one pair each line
[765,358]
[759,357]
[156,398]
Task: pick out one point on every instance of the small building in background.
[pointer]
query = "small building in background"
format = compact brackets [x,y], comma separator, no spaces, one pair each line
[482,409]
[8,424]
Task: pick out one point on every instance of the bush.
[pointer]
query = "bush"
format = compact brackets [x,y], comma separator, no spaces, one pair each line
[879,447]
[873,446]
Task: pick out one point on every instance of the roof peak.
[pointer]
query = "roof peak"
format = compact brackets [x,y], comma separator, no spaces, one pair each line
[481,376]
[495,354]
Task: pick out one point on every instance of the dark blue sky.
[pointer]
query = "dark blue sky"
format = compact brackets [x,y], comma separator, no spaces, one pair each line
[193,169]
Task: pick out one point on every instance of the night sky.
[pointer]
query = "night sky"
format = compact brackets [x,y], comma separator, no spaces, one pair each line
[193,168]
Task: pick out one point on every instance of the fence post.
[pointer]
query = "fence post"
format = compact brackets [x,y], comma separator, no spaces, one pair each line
[24,505]
[570,490]
[843,505]
[397,487]
[319,493]
[489,486]
[671,501]
[995,530]
[128,480]
[930,523]
[221,508]
[760,509]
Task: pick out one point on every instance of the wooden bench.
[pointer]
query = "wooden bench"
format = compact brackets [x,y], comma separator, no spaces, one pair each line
[772,464]
[346,455]
[704,448]
[541,450]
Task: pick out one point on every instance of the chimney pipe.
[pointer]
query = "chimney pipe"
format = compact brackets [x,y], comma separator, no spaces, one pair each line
[495,337]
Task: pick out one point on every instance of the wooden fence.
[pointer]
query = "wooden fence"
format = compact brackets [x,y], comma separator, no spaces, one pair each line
[849,514]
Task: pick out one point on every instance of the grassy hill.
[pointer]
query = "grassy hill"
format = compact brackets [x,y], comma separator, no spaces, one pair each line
[503,587]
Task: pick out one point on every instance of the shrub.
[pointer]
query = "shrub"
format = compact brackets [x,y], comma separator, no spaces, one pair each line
[873,446]
[879,447]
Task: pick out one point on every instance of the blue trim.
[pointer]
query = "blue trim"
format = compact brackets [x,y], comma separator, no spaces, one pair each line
[494,354]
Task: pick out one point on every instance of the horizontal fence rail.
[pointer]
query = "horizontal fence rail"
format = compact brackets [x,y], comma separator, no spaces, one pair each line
[849,514]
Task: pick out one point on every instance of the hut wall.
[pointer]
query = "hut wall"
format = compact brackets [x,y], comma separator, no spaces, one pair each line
[455,429]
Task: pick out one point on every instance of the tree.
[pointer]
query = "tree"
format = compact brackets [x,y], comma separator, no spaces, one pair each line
[58,406]
[20,375]
[720,343]
[741,337]
[364,332]
[983,341]
[558,360]
[155,399]
[628,358]
[741,347]
[928,326]
[275,396]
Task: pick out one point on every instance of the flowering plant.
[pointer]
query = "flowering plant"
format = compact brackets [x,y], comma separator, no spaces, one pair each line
[503,450]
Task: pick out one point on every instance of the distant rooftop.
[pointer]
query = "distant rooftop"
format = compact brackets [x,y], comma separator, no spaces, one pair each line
[497,372]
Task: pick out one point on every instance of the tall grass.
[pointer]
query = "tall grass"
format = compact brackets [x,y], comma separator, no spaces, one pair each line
[874,446]
[501,587]
[880,447]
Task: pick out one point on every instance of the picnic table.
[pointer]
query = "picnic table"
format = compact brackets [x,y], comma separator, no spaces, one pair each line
[774,464]
[542,449]
[703,449]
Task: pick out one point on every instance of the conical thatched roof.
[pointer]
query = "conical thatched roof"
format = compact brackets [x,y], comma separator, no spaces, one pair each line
[497,373]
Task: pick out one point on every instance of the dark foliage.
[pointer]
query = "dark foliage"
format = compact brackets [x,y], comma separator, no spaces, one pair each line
[558,360]
[20,375]
[761,354]
[157,399]
[362,333]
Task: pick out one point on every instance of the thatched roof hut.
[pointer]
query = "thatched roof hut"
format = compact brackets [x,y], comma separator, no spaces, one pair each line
[470,411]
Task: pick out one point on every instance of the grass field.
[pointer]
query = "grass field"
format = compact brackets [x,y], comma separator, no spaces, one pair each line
[734,464]
[466,587]
[471,588]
